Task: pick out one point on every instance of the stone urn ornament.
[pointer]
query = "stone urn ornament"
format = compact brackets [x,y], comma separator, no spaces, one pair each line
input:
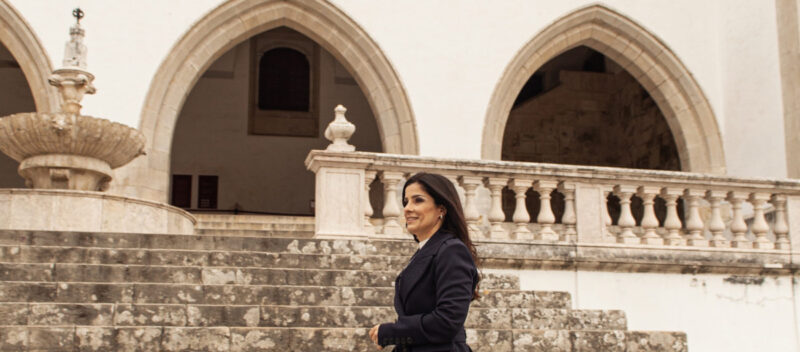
[67,150]
[339,132]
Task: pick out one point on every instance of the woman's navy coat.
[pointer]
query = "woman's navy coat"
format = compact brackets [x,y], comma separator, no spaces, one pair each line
[432,297]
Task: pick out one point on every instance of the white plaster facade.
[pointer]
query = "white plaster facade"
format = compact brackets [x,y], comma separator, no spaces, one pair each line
[449,58]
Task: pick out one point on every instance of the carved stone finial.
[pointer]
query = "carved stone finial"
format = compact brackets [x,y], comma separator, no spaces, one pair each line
[339,132]
[73,81]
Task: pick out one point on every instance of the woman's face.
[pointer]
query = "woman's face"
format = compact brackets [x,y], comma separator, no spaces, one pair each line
[422,214]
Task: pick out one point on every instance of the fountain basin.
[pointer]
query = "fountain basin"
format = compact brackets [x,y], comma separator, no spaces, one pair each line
[68,151]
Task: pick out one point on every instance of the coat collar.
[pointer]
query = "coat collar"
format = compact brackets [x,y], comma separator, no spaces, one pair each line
[434,242]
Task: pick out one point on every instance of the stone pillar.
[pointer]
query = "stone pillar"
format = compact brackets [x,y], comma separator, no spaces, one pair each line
[715,223]
[496,214]
[391,203]
[694,224]
[793,221]
[760,227]
[470,184]
[649,220]
[369,176]
[590,206]
[738,226]
[569,218]
[546,218]
[521,216]
[626,222]
[781,229]
[672,222]
[339,201]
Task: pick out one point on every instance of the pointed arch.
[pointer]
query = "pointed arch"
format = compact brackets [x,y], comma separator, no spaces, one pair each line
[20,40]
[645,57]
[230,24]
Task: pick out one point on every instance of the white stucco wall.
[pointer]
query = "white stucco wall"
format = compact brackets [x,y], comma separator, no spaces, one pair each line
[716,315]
[449,57]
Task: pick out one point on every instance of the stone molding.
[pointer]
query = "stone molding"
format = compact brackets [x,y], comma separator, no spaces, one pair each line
[679,97]
[85,211]
[19,38]
[498,254]
[235,21]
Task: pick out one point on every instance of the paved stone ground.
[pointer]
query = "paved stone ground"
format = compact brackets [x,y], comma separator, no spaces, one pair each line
[62,291]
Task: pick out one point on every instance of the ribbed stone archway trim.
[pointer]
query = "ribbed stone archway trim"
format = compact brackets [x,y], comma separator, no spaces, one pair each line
[230,24]
[18,37]
[644,56]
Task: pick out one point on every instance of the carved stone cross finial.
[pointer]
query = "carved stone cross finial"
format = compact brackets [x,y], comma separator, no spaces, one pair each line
[78,14]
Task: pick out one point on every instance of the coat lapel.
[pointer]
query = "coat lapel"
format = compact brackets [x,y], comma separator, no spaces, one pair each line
[420,263]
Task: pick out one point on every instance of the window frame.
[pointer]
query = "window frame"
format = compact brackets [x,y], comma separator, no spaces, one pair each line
[284,122]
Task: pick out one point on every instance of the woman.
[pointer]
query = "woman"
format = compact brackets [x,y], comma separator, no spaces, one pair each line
[434,291]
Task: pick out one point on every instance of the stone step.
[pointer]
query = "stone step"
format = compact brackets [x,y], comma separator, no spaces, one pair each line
[240,225]
[207,242]
[253,339]
[116,273]
[203,218]
[126,314]
[93,255]
[299,233]
[144,293]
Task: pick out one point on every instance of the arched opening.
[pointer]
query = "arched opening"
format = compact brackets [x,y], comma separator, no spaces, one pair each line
[24,68]
[227,27]
[646,59]
[583,108]
[15,96]
[251,119]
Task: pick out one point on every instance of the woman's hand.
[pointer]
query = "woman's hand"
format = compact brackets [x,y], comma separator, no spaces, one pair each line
[373,334]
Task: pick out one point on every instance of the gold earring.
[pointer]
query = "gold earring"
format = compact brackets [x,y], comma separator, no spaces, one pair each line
[440,216]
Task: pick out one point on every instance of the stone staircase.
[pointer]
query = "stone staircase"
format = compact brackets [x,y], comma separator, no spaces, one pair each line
[66,291]
[255,225]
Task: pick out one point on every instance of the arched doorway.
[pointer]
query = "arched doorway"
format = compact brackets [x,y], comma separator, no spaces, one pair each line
[646,59]
[251,119]
[24,68]
[226,27]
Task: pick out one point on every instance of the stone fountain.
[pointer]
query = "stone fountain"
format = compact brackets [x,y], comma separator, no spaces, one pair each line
[67,159]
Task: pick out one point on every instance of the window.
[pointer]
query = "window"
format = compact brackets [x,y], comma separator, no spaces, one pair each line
[182,191]
[207,192]
[284,84]
[283,80]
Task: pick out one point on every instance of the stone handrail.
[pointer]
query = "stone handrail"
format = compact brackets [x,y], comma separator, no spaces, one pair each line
[655,208]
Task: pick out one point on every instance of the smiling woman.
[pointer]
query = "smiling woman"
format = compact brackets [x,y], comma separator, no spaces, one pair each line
[433,293]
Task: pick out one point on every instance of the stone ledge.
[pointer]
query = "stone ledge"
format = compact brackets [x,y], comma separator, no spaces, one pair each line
[70,210]
[635,258]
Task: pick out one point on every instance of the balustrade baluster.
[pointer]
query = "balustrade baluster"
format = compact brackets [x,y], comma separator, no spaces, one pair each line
[546,218]
[715,225]
[569,219]
[521,217]
[369,176]
[694,224]
[391,205]
[760,227]
[496,214]
[738,226]
[649,219]
[606,215]
[626,222]
[672,222]
[470,184]
[781,228]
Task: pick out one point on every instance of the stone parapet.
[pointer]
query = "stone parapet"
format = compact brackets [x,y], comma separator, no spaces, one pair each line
[645,210]
[68,210]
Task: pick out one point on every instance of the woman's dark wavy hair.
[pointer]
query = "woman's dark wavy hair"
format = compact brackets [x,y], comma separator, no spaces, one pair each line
[445,194]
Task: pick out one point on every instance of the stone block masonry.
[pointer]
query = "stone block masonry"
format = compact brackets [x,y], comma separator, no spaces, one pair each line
[70,291]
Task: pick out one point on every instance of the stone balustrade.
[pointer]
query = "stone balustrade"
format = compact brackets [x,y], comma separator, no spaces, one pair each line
[547,203]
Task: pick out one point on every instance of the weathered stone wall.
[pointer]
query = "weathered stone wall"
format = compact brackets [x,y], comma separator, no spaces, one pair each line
[601,119]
